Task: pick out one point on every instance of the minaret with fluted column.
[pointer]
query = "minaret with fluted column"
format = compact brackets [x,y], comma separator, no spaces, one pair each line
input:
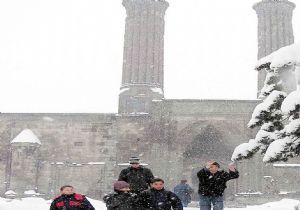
[275,30]
[143,56]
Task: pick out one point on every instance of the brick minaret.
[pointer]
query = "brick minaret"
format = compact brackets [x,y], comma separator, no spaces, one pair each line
[143,58]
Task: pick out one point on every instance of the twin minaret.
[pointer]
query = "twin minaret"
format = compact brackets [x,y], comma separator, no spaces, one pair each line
[143,59]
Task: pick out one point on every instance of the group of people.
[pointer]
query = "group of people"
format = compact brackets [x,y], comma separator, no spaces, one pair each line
[131,191]
[138,189]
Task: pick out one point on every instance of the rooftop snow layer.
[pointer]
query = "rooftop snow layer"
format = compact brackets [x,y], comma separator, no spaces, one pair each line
[26,136]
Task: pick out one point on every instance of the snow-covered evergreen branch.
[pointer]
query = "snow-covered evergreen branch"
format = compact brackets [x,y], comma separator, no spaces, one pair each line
[276,141]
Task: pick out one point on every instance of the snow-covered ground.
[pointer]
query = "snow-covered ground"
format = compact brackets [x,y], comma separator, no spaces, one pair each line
[41,204]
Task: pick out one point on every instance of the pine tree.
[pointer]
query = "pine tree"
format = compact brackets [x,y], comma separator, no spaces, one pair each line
[288,145]
[276,141]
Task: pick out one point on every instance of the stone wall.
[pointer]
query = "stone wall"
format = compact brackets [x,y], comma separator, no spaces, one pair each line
[76,149]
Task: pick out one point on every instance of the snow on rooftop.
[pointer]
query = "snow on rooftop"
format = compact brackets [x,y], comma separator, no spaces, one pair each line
[250,193]
[10,192]
[48,119]
[26,136]
[96,163]
[286,192]
[79,164]
[286,165]
[138,113]
[128,164]
[124,90]
[31,192]
[157,90]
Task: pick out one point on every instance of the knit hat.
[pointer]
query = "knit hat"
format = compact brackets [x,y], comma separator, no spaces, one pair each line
[118,185]
[134,160]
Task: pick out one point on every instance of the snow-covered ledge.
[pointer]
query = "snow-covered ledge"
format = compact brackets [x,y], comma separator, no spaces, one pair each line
[286,165]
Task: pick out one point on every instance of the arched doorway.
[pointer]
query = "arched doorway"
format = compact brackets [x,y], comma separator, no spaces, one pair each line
[207,145]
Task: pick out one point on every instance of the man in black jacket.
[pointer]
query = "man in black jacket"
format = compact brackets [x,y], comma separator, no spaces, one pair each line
[212,183]
[157,198]
[121,198]
[137,176]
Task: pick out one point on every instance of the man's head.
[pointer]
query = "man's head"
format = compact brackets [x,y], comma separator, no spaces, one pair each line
[157,183]
[213,166]
[67,190]
[209,163]
[121,186]
[134,162]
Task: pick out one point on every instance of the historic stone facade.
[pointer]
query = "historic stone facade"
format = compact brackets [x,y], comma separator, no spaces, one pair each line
[175,137]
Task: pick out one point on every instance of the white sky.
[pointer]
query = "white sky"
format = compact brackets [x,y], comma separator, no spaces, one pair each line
[66,55]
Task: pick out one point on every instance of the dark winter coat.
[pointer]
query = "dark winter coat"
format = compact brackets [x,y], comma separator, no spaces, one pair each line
[183,191]
[138,178]
[120,201]
[214,184]
[159,200]
[71,202]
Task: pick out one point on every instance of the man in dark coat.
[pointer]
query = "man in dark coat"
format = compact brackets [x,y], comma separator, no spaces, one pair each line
[137,176]
[68,200]
[157,198]
[184,191]
[121,199]
[212,183]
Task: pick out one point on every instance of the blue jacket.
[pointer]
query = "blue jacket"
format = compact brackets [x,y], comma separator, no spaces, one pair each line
[183,191]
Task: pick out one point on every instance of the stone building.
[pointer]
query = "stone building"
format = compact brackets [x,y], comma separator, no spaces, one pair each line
[175,137]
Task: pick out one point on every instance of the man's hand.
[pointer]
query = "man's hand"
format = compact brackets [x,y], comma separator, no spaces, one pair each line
[231,167]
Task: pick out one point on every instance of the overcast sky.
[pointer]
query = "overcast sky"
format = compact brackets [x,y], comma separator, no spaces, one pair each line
[66,55]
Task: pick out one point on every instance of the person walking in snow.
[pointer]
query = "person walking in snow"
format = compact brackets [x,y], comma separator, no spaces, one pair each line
[184,191]
[137,176]
[212,183]
[121,198]
[69,200]
[157,198]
